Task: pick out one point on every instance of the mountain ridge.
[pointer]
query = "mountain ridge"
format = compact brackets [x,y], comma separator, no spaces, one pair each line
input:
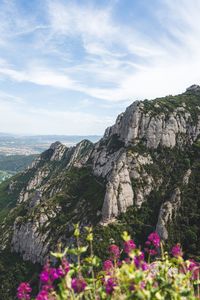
[147,161]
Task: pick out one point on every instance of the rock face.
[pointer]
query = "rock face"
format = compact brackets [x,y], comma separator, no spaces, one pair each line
[119,193]
[193,88]
[134,164]
[167,210]
[58,151]
[170,208]
[136,124]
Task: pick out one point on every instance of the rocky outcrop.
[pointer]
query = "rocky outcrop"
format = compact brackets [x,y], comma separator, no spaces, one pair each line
[58,151]
[193,89]
[169,209]
[119,193]
[28,241]
[154,128]
[32,238]
[80,154]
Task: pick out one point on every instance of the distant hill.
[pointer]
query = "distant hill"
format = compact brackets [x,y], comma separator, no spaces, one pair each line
[12,164]
[12,144]
[15,163]
[5,175]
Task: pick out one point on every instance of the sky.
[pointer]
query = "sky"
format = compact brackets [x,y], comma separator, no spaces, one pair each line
[70,67]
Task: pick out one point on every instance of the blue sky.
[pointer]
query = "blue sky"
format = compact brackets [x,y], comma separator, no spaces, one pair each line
[69,67]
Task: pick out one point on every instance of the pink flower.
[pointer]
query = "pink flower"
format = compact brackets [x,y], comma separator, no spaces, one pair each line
[140,263]
[152,252]
[60,272]
[194,267]
[47,287]
[53,274]
[49,275]
[129,246]
[153,243]
[44,276]
[107,265]
[176,251]
[154,239]
[114,250]
[78,285]
[148,243]
[43,295]
[23,291]
[144,266]
[110,285]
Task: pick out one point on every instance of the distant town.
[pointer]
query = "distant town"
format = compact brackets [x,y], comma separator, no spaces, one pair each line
[27,145]
[18,152]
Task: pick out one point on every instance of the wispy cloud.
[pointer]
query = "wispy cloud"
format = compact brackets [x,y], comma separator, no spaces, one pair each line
[86,49]
[45,121]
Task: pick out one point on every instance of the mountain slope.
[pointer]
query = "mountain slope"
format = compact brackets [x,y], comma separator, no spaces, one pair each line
[143,174]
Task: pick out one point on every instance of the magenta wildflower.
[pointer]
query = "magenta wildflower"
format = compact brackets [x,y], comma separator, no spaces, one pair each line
[107,265]
[144,266]
[139,260]
[44,276]
[115,251]
[49,275]
[53,274]
[129,246]
[176,251]
[154,239]
[110,285]
[78,285]
[47,287]
[153,243]
[152,252]
[194,268]
[60,272]
[23,291]
[43,295]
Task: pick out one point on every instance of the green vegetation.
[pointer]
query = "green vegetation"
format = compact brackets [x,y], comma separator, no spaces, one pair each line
[5,175]
[80,199]
[127,273]
[166,105]
[14,270]
[15,163]
[71,195]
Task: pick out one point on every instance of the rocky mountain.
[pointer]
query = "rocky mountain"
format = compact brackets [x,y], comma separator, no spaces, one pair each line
[144,174]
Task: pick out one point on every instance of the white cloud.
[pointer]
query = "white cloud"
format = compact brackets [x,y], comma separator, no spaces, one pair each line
[111,66]
[26,119]
[108,60]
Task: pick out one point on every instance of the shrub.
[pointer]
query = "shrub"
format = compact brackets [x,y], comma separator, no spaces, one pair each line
[128,273]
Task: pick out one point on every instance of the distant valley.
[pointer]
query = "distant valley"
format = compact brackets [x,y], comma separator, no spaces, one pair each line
[17,152]
[5,175]
[11,144]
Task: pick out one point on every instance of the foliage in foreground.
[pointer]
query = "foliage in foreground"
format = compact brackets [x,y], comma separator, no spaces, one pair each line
[129,273]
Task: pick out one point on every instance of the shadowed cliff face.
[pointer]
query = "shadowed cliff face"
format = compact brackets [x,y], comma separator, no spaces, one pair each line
[151,151]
